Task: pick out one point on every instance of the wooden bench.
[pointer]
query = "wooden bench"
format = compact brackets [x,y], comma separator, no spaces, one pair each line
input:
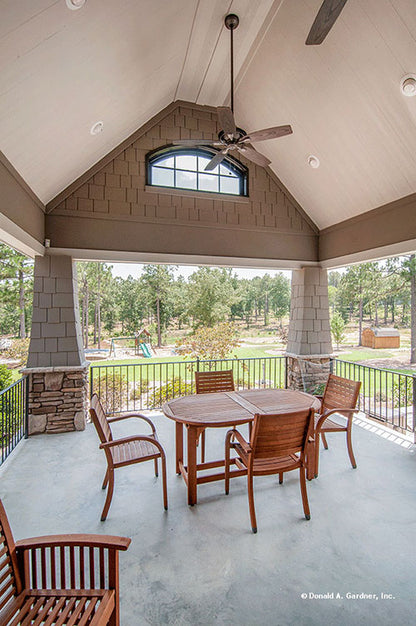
[59,579]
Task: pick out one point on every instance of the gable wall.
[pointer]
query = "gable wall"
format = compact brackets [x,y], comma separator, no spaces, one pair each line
[111,208]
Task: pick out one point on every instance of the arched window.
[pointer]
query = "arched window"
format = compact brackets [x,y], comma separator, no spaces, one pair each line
[184,168]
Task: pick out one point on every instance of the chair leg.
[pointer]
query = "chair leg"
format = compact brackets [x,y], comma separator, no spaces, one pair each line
[349,447]
[280,478]
[164,483]
[105,482]
[251,502]
[156,469]
[316,453]
[109,494]
[304,493]
[324,441]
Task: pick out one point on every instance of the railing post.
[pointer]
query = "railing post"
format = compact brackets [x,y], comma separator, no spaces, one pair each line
[197,363]
[91,379]
[286,372]
[27,407]
[414,408]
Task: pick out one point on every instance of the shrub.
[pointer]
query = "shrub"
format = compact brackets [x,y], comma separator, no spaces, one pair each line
[172,389]
[18,351]
[402,390]
[112,391]
[5,377]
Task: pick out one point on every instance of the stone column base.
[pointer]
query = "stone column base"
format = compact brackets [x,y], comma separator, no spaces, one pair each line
[308,373]
[57,399]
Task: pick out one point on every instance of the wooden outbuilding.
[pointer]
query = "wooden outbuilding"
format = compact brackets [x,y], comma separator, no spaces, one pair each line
[380,338]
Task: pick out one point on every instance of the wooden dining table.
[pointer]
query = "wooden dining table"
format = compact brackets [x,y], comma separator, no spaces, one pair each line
[217,410]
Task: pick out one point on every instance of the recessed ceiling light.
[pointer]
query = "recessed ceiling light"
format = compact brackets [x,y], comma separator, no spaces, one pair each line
[408,85]
[97,128]
[313,161]
[74,5]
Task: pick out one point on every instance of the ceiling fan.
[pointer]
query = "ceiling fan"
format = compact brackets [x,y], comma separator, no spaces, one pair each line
[324,21]
[231,137]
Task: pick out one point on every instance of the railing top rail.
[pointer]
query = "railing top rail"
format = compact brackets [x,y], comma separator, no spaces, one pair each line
[380,369]
[230,358]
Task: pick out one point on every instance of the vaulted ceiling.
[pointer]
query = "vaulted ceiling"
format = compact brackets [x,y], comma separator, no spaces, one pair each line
[122,61]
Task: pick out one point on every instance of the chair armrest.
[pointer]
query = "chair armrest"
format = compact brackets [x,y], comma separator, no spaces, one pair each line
[109,542]
[243,443]
[150,439]
[118,418]
[323,417]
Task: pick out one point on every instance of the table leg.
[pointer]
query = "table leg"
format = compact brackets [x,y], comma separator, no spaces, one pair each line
[310,461]
[179,445]
[191,462]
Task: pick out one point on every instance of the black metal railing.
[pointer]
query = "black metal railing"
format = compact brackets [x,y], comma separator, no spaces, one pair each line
[13,416]
[386,395]
[148,385]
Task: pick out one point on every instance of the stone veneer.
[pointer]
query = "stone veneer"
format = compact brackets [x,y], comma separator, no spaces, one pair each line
[308,374]
[57,400]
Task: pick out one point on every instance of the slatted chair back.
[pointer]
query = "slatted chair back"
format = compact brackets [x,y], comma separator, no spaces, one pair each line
[10,582]
[99,419]
[281,434]
[340,392]
[212,382]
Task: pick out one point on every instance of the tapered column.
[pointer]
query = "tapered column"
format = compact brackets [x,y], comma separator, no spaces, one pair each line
[56,363]
[309,347]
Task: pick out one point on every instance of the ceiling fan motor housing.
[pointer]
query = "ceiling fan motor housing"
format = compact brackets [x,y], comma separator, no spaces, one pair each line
[231,21]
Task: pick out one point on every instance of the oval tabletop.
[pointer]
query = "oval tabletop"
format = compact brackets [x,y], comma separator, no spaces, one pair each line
[235,407]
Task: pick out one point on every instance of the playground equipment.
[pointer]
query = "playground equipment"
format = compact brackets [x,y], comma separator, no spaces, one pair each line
[140,344]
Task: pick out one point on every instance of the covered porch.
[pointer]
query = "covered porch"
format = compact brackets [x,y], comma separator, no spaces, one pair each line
[202,564]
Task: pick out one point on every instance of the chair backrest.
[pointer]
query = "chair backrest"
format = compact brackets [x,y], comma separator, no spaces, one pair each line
[281,434]
[210,382]
[99,419]
[340,392]
[9,572]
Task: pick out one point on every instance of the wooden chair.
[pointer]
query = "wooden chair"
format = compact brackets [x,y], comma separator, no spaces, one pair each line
[59,579]
[212,382]
[278,444]
[125,451]
[340,396]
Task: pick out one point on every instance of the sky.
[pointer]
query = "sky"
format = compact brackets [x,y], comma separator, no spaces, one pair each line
[135,269]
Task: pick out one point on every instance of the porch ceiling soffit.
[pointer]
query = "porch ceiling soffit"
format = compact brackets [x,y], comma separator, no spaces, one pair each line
[388,230]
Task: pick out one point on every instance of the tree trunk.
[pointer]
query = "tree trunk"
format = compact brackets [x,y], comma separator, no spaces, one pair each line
[22,325]
[266,309]
[376,314]
[413,318]
[360,321]
[159,334]
[86,315]
[386,310]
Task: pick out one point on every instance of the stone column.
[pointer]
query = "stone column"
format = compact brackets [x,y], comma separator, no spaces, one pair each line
[58,380]
[309,347]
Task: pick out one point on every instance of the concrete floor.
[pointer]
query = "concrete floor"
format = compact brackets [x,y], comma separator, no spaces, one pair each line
[202,565]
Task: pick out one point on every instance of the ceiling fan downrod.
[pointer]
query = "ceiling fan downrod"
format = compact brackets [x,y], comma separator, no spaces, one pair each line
[231,22]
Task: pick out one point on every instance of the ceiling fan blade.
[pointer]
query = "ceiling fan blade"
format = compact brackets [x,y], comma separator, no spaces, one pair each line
[268,133]
[324,21]
[250,153]
[216,160]
[226,120]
